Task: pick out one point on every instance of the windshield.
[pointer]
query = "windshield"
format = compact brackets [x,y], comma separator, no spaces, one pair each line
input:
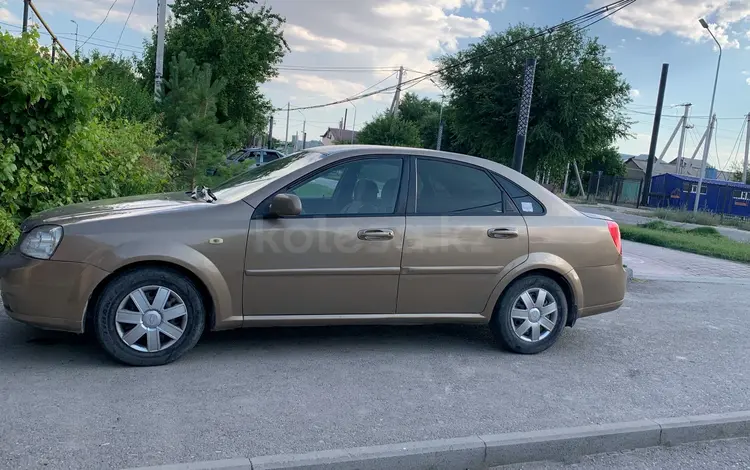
[257,177]
[236,154]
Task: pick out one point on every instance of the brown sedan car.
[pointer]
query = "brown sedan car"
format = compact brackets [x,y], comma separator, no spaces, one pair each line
[332,235]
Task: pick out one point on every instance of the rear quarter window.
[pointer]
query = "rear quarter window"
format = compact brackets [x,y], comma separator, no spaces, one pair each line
[524,201]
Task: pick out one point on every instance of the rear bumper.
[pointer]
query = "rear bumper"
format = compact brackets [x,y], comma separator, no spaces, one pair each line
[603,287]
[48,294]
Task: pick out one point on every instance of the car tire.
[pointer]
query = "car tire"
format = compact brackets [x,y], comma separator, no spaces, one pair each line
[158,338]
[508,319]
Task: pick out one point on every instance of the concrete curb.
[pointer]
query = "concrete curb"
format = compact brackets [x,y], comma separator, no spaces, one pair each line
[481,452]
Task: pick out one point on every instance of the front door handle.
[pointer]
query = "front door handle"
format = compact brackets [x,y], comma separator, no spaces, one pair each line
[502,233]
[375,234]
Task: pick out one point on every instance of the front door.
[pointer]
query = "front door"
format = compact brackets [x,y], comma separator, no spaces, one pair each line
[461,231]
[341,255]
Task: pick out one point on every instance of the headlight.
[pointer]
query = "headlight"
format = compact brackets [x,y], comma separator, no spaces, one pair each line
[41,242]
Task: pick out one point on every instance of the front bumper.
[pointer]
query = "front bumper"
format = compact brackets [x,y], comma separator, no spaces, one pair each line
[46,293]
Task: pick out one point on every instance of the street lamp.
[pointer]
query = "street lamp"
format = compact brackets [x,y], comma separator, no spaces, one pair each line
[354,120]
[710,119]
[440,126]
[304,134]
[76,23]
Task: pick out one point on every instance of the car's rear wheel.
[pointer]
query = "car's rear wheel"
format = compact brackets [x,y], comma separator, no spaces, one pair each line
[149,316]
[531,315]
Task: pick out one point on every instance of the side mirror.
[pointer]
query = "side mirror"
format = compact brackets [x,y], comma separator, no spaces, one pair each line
[285,205]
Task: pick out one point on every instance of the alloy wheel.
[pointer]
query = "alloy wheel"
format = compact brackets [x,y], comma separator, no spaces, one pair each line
[151,319]
[534,315]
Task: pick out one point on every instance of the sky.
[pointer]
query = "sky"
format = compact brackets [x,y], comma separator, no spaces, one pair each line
[372,38]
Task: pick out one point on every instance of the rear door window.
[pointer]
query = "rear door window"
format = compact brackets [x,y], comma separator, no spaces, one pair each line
[445,188]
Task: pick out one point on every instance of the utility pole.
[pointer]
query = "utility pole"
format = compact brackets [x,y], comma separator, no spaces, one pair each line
[54,43]
[685,127]
[706,149]
[397,95]
[286,134]
[711,116]
[304,134]
[578,177]
[76,23]
[747,150]
[440,126]
[161,16]
[270,132]
[346,112]
[524,107]
[25,26]
[655,135]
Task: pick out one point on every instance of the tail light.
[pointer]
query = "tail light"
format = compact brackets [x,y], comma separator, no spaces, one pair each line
[614,230]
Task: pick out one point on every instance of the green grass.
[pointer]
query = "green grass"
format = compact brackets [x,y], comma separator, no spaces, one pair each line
[701,240]
[700,218]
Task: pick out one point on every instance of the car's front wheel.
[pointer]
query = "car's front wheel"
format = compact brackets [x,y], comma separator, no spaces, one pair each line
[149,316]
[531,315]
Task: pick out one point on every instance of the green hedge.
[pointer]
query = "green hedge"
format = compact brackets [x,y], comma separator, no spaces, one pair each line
[59,143]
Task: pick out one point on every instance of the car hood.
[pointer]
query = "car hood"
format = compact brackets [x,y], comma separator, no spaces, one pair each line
[110,208]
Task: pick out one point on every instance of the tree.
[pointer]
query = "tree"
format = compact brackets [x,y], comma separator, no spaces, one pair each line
[197,140]
[117,77]
[386,129]
[425,114]
[577,101]
[737,174]
[240,42]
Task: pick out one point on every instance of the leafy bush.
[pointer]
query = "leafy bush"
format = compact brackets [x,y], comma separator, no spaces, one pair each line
[57,145]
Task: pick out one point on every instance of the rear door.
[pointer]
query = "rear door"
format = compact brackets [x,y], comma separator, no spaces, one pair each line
[461,231]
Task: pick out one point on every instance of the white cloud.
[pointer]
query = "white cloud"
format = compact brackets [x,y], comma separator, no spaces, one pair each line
[745,72]
[748,81]
[478,6]
[498,5]
[635,93]
[6,16]
[680,17]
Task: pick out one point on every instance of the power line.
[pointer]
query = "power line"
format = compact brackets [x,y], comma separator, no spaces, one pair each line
[332,68]
[581,20]
[736,143]
[635,111]
[373,86]
[126,24]
[716,150]
[125,47]
[100,24]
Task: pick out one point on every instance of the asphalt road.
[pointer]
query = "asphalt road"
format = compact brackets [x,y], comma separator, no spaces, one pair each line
[674,349]
[716,455]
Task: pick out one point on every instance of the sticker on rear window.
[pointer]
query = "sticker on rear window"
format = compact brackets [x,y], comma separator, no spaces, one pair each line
[527,207]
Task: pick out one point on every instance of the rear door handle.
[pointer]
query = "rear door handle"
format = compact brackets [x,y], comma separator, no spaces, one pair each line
[375,234]
[502,233]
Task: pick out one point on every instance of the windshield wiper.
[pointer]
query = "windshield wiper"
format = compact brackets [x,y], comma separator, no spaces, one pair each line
[202,193]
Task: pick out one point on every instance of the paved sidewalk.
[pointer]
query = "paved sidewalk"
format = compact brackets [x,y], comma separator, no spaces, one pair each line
[657,263]
[715,455]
